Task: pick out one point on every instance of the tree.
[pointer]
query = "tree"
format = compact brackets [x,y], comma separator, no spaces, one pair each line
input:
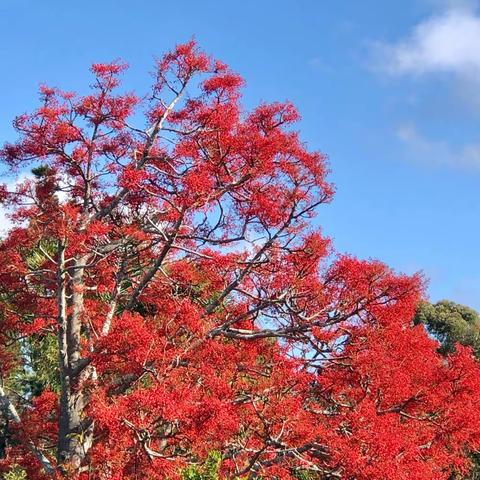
[168,311]
[450,323]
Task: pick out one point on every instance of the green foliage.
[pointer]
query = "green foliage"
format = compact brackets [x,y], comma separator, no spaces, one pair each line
[475,472]
[38,369]
[36,256]
[305,475]
[207,471]
[39,352]
[43,352]
[41,171]
[450,323]
[16,473]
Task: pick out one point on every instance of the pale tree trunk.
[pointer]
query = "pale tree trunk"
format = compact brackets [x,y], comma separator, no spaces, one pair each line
[75,430]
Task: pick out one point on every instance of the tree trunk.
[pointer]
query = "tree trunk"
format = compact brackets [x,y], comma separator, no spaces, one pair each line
[75,430]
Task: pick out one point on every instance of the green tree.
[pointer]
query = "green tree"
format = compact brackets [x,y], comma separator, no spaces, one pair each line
[450,323]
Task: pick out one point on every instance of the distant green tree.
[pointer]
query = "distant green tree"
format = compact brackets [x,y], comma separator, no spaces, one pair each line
[475,472]
[450,323]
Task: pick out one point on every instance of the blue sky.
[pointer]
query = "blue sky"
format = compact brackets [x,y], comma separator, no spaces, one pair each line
[389,90]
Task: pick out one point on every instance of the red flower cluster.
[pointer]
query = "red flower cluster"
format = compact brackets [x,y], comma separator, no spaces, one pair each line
[195,309]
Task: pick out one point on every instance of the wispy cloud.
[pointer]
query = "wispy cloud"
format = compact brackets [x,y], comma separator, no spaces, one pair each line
[437,152]
[447,42]
[320,65]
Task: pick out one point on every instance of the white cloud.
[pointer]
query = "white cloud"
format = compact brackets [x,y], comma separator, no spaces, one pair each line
[438,152]
[448,42]
[316,63]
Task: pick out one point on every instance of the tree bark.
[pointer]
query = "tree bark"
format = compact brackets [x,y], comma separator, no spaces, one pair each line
[75,430]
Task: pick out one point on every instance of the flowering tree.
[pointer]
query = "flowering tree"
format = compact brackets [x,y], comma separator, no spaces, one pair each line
[165,302]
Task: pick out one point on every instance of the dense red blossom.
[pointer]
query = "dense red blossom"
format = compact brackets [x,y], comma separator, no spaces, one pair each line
[195,307]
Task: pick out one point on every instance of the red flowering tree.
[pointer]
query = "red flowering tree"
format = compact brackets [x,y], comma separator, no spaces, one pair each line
[165,299]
